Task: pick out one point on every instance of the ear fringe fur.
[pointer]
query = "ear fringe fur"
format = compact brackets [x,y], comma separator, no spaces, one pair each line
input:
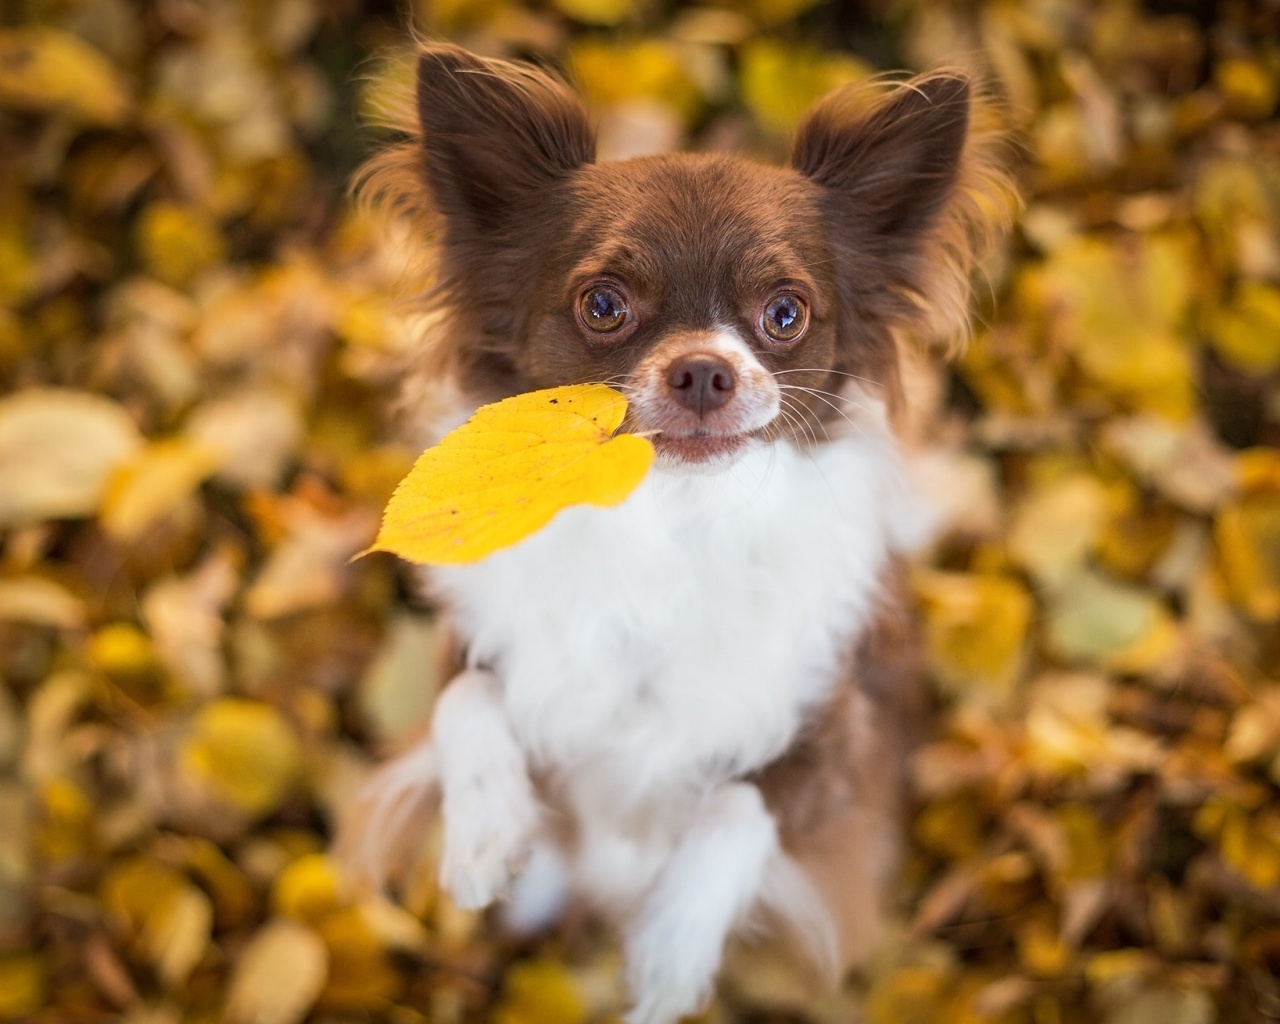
[974,224]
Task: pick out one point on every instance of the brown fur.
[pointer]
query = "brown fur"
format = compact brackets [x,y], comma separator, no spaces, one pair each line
[840,793]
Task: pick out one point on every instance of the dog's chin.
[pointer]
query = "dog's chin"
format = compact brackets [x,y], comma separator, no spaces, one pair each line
[701,452]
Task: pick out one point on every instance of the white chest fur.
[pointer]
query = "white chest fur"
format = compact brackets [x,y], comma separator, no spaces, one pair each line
[657,648]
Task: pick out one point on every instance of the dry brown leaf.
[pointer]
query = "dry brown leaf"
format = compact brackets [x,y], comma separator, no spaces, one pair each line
[278,976]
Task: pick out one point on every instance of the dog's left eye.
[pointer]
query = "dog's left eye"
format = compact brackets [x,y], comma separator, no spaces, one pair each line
[603,310]
[784,317]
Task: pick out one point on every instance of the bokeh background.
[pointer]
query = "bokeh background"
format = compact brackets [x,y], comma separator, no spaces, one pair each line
[198,340]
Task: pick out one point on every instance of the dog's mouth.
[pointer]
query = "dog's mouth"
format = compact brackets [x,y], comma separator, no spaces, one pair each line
[699,447]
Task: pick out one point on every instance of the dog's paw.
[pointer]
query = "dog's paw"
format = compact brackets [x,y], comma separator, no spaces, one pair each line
[672,961]
[489,828]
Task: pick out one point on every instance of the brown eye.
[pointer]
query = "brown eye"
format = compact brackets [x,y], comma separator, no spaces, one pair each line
[602,309]
[785,317]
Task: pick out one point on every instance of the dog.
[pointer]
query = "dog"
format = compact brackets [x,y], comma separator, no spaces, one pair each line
[692,712]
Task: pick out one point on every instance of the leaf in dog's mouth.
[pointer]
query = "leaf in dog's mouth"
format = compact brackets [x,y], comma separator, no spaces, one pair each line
[509,469]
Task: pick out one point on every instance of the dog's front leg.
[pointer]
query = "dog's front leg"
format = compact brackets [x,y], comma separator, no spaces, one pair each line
[712,880]
[489,808]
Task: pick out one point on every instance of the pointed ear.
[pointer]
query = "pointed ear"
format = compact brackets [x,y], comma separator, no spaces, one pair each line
[494,133]
[889,170]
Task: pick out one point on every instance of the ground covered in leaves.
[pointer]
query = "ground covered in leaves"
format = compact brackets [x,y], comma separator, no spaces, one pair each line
[197,341]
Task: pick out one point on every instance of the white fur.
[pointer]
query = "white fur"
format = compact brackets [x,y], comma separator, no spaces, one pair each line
[641,659]
[706,887]
[487,799]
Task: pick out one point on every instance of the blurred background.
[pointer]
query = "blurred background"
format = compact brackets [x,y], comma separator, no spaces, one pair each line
[198,339]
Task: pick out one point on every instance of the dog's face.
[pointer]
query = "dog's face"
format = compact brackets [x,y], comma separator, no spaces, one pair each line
[732,302]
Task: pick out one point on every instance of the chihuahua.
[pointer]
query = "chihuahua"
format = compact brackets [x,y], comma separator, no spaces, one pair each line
[691,712]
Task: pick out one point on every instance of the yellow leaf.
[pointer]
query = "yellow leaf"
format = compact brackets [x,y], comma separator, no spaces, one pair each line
[1041,950]
[1248,86]
[1056,526]
[67,828]
[154,483]
[1121,309]
[596,12]
[58,448]
[45,70]
[509,469]
[1250,846]
[361,975]
[909,995]
[244,752]
[975,626]
[781,80]
[120,648]
[177,241]
[1247,532]
[177,935]
[612,73]
[277,976]
[540,992]
[22,985]
[1247,332]
[307,889]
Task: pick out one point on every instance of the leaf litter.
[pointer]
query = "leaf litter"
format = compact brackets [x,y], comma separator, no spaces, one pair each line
[199,338]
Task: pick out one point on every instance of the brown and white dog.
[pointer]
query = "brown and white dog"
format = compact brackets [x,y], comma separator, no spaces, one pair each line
[692,711]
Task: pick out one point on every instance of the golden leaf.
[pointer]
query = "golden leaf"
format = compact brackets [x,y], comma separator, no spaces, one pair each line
[277,976]
[975,626]
[1121,311]
[178,241]
[509,469]
[1057,525]
[361,975]
[22,985]
[58,448]
[307,889]
[612,73]
[1247,532]
[540,992]
[46,70]
[781,81]
[596,12]
[1247,332]
[244,752]
[154,483]
[168,918]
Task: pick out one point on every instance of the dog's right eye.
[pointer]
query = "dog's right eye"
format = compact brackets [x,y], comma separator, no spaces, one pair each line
[602,309]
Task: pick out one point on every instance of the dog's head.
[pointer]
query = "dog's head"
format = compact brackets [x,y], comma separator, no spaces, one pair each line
[732,302]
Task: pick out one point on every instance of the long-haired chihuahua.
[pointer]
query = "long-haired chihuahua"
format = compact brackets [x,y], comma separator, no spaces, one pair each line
[691,712]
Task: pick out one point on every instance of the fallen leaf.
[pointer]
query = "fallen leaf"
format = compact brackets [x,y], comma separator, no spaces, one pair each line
[243,751]
[540,992]
[58,448]
[153,484]
[22,985]
[41,602]
[278,976]
[508,470]
[975,630]
[45,69]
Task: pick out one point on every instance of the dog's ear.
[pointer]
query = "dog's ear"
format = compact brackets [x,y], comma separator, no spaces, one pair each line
[889,170]
[494,133]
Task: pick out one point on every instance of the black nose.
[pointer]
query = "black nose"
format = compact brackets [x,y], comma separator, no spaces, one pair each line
[701,382]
